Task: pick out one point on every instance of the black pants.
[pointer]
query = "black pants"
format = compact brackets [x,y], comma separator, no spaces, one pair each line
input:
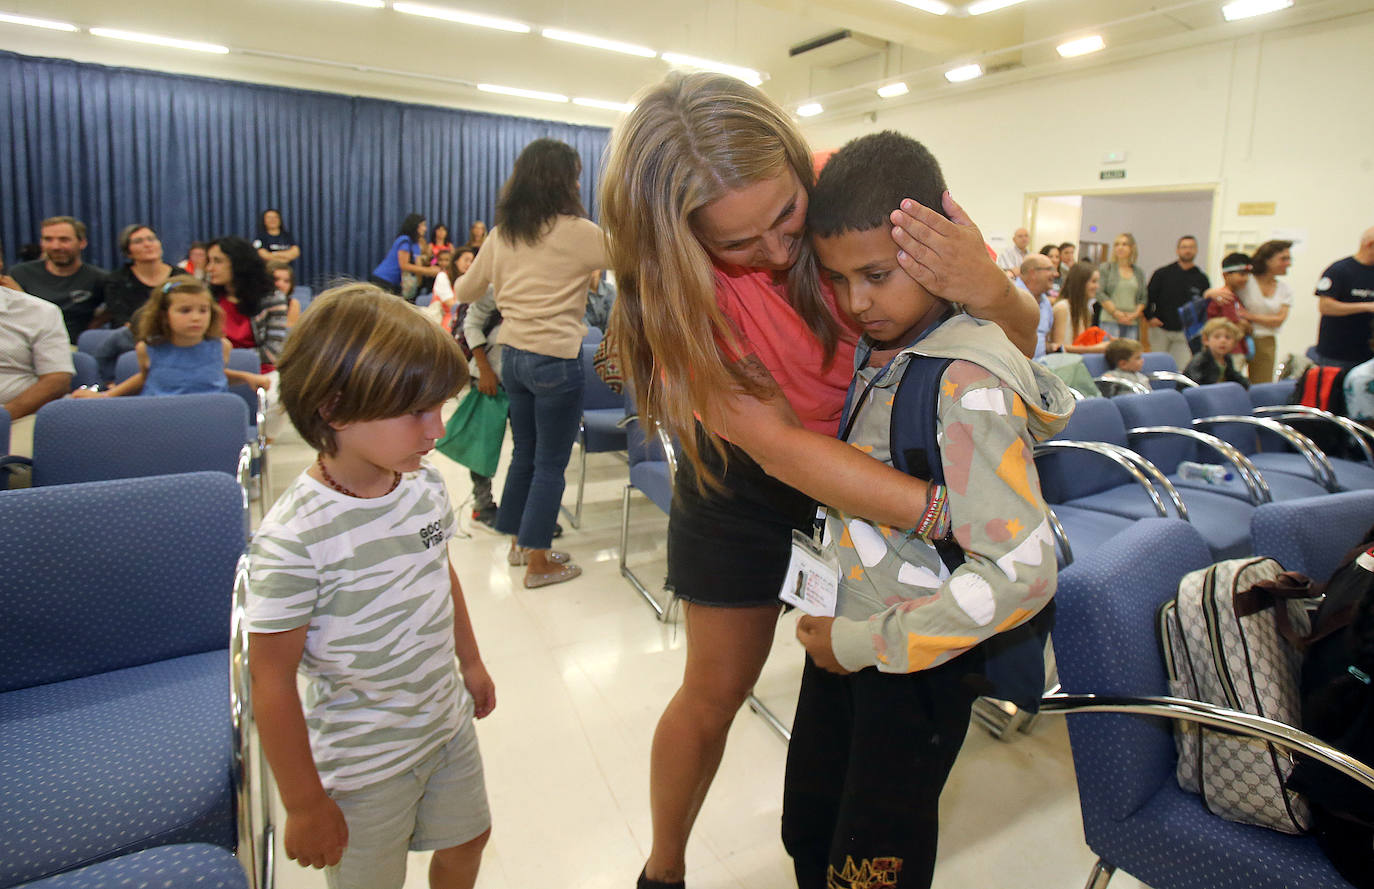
[869,756]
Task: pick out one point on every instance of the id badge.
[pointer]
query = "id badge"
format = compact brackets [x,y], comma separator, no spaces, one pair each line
[812,580]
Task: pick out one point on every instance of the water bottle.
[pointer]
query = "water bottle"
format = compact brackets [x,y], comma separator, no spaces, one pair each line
[1211,473]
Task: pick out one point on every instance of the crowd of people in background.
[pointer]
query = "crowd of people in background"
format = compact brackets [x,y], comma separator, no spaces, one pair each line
[1087,307]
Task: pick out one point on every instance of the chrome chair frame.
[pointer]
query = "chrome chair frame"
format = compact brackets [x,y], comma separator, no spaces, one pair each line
[1173,376]
[1254,481]
[660,611]
[1233,721]
[1322,471]
[1361,435]
[256,830]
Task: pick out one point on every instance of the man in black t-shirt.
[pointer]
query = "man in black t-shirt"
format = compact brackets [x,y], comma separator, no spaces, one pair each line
[1346,294]
[60,276]
[1172,287]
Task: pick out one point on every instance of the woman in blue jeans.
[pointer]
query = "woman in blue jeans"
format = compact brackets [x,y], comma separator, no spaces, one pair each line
[540,257]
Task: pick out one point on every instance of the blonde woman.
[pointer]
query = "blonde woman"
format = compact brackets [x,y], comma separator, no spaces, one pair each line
[722,316]
[1123,293]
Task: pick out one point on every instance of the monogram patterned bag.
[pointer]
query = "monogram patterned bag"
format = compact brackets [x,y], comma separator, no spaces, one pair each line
[1231,637]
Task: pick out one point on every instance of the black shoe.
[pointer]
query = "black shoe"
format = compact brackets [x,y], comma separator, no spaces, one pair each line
[486,516]
[557,530]
[646,883]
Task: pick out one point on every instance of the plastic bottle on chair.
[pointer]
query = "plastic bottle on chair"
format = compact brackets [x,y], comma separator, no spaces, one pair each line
[1210,473]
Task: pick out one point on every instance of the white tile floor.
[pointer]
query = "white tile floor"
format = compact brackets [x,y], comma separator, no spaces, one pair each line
[582,671]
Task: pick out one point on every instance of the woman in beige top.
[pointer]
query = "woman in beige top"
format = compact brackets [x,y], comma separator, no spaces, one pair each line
[1123,290]
[540,257]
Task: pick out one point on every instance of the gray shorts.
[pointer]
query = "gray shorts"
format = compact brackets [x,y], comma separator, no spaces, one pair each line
[439,803]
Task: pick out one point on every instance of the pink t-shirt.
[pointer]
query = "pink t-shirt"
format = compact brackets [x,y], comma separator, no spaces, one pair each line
[755,301]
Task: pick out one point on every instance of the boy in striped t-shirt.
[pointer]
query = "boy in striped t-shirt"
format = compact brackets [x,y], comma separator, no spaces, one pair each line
[351,585]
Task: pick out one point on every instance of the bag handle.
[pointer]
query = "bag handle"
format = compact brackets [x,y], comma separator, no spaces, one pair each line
[1276,594]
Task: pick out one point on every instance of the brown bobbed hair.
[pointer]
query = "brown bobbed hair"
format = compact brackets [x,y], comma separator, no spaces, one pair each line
[362,354]
[690,140]
[1259,260]
[152,325]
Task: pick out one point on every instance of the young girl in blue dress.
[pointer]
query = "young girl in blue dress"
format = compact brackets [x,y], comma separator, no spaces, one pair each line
[181,349]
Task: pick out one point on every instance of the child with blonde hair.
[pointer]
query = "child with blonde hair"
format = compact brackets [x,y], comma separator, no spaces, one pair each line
[1213,364]
[180,345]
[352,587]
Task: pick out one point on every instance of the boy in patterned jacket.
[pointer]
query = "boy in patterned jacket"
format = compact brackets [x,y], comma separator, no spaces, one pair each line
[890,679]
[351,585]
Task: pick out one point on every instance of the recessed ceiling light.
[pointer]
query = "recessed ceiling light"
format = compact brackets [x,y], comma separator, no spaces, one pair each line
[748,75]
[981,6]
[603,104]
[599,43]
[1244,9]
[158,40]
[460,17]
[810,109]
[893,90]
[370,4]
[964,72]
[934,7]
[1080,47]
[522,93]
[36,23]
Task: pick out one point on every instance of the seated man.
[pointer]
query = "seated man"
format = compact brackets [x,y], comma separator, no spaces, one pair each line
[35,362]
[61,277]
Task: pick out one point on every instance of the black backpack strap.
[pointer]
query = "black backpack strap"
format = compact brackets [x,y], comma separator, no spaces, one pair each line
[1014,661]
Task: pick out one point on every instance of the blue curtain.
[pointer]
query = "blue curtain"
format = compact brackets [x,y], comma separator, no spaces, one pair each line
[197,158]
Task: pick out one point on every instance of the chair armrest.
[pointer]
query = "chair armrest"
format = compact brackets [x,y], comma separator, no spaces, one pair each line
[1321,467]
[1254,482]
[1060,537]
[1233,721]
[669,451]
[1118,455]
[1303,412]
[1173,376]
[1109,377]
[255,823]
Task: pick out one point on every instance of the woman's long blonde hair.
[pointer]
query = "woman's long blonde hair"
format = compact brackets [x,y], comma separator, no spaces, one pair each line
[689,141]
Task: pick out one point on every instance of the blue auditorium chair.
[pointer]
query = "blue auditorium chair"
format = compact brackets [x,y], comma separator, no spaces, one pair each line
[601,429]
[1163,372]
[126,365]
[1160,426]
[183,866]
[87,371]
[1136,818]
[88,341]
[653,463]
[304,296]
[1225,410]
[1277,401]
[1310,536]
[248,361]
[116,726]
[94,439]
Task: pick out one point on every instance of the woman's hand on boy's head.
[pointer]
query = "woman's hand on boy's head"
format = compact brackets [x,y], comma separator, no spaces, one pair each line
[941,253]
[483,690]
[814,635]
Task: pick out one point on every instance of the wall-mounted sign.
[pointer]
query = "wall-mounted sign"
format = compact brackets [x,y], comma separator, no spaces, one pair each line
[1256,208]
[1112,174]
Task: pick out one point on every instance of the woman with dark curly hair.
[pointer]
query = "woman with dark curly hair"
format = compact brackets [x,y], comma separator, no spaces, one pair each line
[254,312]
[541,255]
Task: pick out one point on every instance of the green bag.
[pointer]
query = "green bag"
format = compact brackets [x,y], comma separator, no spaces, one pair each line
[475,432]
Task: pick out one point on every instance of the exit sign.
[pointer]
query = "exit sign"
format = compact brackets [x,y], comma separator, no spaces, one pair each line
[1111,174]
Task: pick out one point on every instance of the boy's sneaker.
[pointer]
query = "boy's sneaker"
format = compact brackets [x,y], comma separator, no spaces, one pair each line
[486,516]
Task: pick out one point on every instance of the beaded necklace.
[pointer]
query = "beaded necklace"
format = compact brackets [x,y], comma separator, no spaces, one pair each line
[329,480]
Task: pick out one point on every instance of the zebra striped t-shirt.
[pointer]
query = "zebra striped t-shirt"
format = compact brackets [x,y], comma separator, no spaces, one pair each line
[370,579]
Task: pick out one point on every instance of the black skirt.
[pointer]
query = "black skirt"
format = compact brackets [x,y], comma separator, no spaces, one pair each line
[730,548]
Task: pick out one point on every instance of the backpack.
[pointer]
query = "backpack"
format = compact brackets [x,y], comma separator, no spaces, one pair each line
[1014,660]
[1231,637]
[1324,387]
[1338,707]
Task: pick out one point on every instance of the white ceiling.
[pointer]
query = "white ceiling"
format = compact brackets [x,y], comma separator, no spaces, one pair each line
[332,46]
